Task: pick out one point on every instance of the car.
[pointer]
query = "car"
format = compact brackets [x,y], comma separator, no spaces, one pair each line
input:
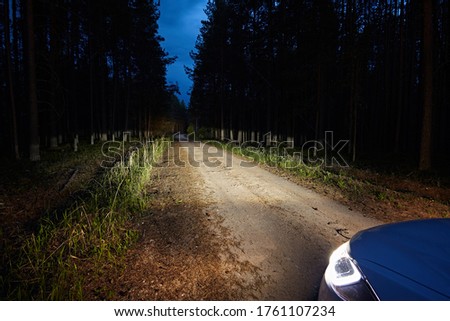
[180,137]
[405,261]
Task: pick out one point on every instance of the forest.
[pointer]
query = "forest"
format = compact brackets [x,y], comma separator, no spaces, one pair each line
[372,72]
[74,69]
[116,219]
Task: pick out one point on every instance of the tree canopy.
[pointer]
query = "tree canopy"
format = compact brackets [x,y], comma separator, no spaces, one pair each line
[99,68]
[300,68]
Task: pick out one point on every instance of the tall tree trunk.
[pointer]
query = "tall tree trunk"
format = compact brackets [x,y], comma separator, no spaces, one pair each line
[353,108]
[91,90]
[425,147]
[54,51]
[15,44]
[128,101]
[74,57]
[401,81]
[32,90]
[103,99]
[12,102]
[318,106]
[221,95]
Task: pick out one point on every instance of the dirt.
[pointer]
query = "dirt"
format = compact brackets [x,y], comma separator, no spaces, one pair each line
[184,252]
[223,232]
[399,198]
[217,229]
[285,230]
[385,197]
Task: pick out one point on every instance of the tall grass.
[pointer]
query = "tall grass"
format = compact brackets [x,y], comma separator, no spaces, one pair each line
[94,231]
[296,164]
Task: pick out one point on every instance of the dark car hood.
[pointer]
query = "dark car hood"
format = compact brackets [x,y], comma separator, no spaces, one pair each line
[406,261]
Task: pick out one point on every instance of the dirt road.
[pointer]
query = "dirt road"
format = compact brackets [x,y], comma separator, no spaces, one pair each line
[214,228]
[283,229]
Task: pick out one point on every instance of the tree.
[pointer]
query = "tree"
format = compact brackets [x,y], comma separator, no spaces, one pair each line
[299,68]
[425,147]
[9,71]
[32,89]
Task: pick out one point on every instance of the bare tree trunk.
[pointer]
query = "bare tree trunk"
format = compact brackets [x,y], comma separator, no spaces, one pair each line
[401,81]
[32,90]
[318,106]
[221,96]
[425,147]
[103,99]
[10,83]
[54,50]
[91,91]
[354,107]
[128,101]
[16,40]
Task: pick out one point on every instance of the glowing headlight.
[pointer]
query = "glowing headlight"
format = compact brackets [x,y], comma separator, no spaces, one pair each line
[341,270]
[345,278]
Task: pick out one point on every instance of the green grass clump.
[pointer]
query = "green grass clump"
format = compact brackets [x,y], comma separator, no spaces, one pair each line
[93,232]
[297,164]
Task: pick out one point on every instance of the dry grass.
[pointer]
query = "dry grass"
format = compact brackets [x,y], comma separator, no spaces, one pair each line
[183,253]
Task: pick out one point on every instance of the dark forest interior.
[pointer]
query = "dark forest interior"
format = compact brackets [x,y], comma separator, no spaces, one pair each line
[79,75]
[373,72]
[82,68]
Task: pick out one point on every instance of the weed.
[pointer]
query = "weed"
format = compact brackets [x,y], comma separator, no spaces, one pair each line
[341,183]
[381,195]
[94,230]
[299,166]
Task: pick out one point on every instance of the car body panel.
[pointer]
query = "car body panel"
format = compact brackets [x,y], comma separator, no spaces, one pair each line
[411,257]
[392,286]
[399,261]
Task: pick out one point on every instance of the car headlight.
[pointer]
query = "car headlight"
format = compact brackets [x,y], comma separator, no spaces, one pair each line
[345,278]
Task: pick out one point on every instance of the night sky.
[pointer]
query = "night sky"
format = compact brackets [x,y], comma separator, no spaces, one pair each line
[179,25]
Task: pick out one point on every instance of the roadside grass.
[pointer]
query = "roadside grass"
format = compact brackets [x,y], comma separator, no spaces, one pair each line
[292,162]
[368,189]
[72,244]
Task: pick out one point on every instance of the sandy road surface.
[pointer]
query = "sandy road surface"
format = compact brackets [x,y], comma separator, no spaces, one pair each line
[285,230]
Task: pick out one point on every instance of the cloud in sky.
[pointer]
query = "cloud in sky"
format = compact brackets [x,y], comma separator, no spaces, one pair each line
[179,25]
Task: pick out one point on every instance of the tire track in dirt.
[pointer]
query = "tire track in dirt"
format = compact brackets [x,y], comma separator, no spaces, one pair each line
[285,230]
